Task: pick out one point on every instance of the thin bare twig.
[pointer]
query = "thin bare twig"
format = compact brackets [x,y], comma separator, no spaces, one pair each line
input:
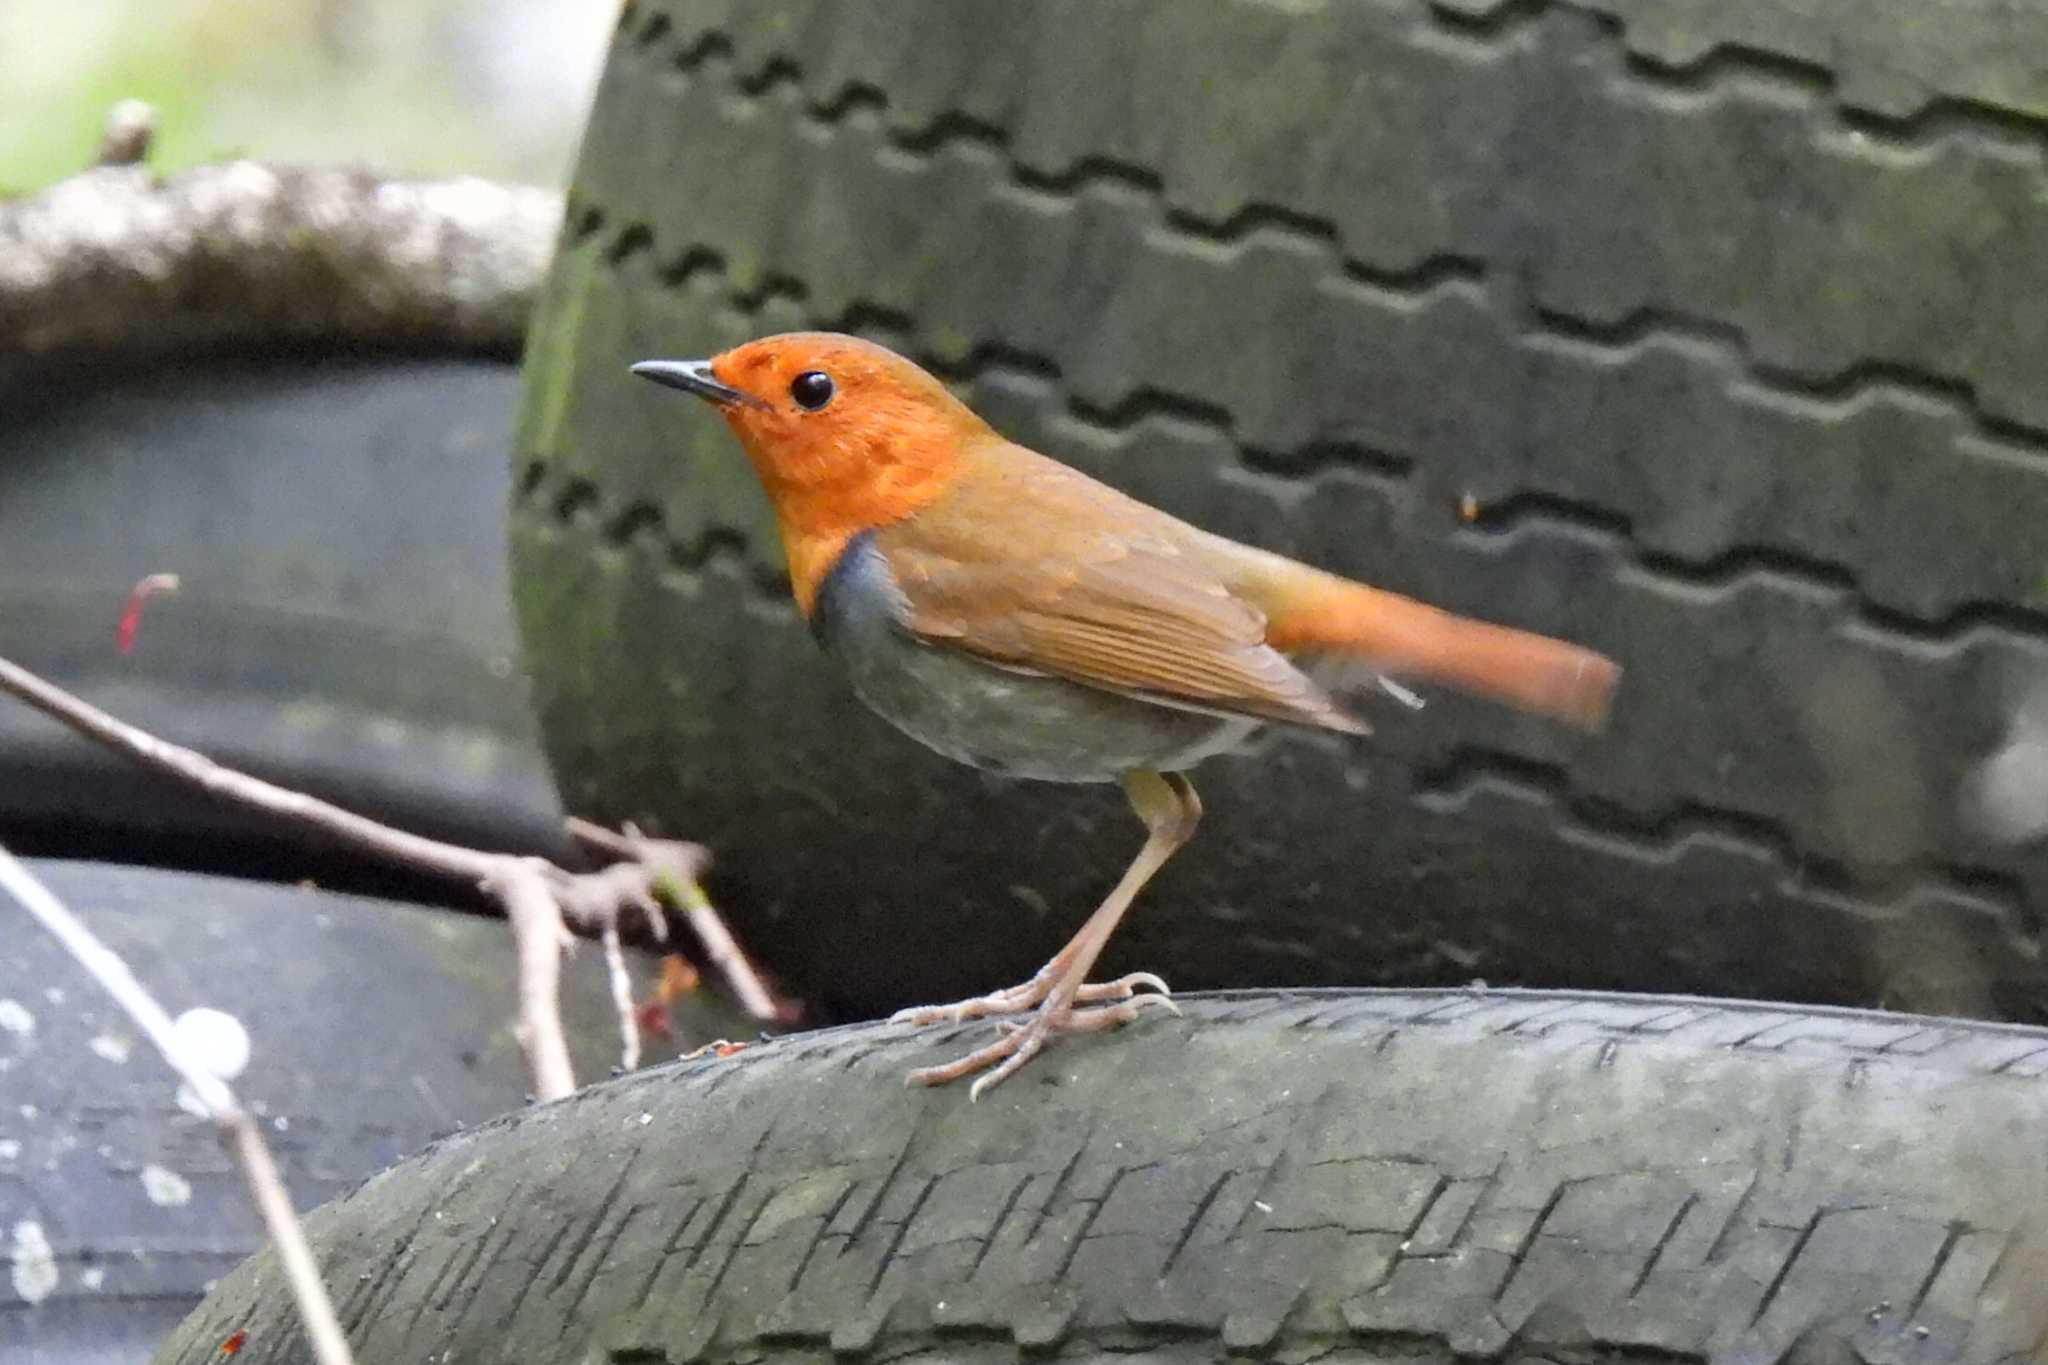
[238,1129]
[678,869]
[541,900]
[537,932]
[622,999]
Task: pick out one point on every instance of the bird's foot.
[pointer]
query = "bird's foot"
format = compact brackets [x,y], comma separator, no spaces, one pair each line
[1018,999]
[1023,1039]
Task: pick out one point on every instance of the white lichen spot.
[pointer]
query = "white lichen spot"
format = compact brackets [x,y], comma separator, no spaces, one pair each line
[216,1039]
[165,1188]
[31,1113]
[35,1265]
[108,1046]
[93,1277]
[10,1149]
[15,1018]
[54,994]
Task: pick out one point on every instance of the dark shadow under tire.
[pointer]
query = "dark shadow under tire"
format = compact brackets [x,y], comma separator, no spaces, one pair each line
[376,1027]
[1336,1176]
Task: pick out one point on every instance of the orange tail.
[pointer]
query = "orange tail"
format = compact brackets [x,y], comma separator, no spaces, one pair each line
[1408,639]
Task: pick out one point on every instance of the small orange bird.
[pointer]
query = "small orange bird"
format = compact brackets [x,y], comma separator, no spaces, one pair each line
[1019,616]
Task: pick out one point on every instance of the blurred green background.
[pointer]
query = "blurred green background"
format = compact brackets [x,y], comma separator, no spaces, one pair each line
[433,87]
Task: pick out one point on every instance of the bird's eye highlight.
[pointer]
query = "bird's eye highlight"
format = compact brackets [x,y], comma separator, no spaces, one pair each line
[812,389]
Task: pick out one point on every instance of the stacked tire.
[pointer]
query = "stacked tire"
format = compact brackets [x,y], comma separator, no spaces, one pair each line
[343,627]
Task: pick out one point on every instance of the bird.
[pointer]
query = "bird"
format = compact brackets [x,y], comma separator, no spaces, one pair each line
[1022,617]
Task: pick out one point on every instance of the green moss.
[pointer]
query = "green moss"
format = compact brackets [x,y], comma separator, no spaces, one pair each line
[549,374]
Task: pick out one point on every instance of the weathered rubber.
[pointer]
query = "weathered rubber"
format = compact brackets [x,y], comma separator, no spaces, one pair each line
[1719,322]
[1329,1176]
[343,627]
[376,1026]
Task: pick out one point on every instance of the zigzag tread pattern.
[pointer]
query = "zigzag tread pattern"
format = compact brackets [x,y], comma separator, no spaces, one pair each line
[1059,129]
[1462,1174]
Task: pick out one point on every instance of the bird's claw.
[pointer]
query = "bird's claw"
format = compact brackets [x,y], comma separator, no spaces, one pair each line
[1021,1040]
[1030,995]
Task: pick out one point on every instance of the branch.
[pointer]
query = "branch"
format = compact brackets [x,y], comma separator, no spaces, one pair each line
[541,900]
[676,872]
[239,1132]
[249,253]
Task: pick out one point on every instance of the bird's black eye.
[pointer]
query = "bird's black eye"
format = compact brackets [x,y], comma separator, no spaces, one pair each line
[812,389]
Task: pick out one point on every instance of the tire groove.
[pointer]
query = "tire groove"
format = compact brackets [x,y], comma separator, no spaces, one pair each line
[818,1237]
[1940,119]
[1777,1283]
[597,1259]
[739,1242]
[602,1213]
[1436,1193]
[1642,1278]
[1080,1234]
[1059,1184]
[1187,1230]
[896,1239]
[660,1263]
[1724,1239]
[401,1252]
[1664,838]
[1954,1235]
[463,1256]
[874,1206]
[1528,1242]
[493,1246]
[725,1206]
[995,1228]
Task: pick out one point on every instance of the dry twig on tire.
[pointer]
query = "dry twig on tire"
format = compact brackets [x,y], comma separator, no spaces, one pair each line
[543,902]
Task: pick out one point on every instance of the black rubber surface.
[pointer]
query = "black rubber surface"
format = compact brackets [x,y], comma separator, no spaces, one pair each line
[1724,317]
[376,1027]
[344,625]
[1348,1177]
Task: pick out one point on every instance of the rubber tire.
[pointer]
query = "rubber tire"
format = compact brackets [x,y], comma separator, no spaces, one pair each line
[377,1026]
[1423,1177]
[344,625]
[1334,278]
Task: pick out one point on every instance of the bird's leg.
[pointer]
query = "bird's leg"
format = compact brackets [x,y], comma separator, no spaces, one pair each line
[1173,806]
[1170,809]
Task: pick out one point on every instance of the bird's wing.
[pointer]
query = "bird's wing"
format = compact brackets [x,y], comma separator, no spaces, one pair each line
[1029,564]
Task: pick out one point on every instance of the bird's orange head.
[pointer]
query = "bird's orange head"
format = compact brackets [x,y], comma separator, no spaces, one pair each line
[846,435]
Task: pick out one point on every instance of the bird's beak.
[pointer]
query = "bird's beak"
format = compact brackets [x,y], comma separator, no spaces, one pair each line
[694,376]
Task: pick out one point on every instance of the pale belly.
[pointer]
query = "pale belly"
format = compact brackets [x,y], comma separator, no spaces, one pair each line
[1023,724]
